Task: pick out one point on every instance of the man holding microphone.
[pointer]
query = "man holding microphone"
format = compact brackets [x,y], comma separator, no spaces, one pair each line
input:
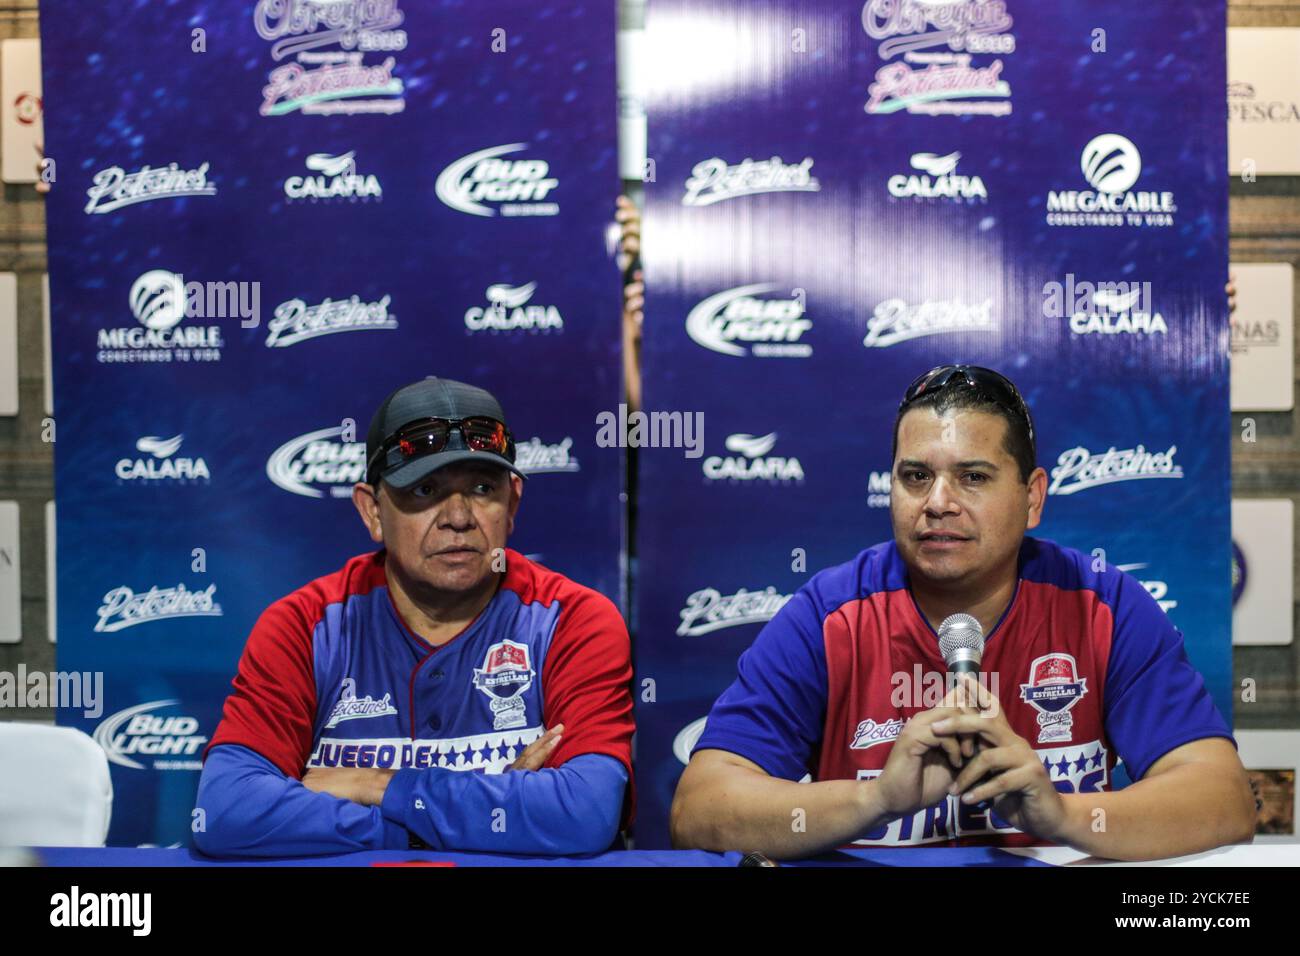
[1080,668]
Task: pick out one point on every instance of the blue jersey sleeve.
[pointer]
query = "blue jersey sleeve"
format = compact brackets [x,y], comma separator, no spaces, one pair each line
[1155,700]
[250,808]
[773,713]
[570,809]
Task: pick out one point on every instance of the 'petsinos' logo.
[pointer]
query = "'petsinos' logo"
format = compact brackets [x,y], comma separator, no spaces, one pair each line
[318,459]
[752,462]
[123,607]
[1077,470]
[536,457]
[895,320]
[137,732]
[509,310]
[114,187]
[708,610]
[336,178]
[713,180]
[773,327]
[161,466]
[518,186]
[1111,164]
[295,320]
[938,180]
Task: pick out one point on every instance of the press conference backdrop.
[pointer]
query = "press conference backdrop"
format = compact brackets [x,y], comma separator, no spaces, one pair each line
[844,195]
[268,216]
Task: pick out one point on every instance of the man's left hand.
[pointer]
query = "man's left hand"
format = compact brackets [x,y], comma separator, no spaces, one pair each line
[363,785]
[1020,788]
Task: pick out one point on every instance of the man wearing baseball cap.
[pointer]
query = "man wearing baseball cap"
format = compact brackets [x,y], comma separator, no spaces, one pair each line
[443,690]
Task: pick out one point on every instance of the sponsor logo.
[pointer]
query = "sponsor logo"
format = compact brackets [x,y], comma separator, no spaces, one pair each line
[752,462]
[352,707]
[489,752]
[707,610]
[535,457]
[508,310]
[114,187]
[1157,589]
[136,732]
[1244,107]
[335,177]
[1054,687]
[295,321]
[325,81]
[936,41]
[1108,308]
[715,181]
[505,675]
[1077,469]
[320,459]
[1250,334]
[1111,165]
[937,179]
[123,608]
[1238,573]
[474,184]
[159,300]
[879,484]
[687,738]
[769,327]
[895,320]
[161,466]
[871,732]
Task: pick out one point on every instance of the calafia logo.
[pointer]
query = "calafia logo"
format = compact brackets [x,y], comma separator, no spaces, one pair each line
[767,327]
[937,179]
[483,184]
[136,732]
[509,309]
[751,461]
[162,463]
[333,178]
[319,460]
[1111,165]
[1106,308]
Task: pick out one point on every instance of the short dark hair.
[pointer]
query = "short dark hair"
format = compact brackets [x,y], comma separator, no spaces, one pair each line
[1015,442]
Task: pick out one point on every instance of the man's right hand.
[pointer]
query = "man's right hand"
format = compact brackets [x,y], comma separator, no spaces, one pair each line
[922,765]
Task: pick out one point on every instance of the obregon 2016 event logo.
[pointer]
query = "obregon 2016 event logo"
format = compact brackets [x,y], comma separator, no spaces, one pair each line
[504,677]
[709,610]
[896,320]
[713,181]
[1077,470]
[1054,687]
[325,82]
[477,183]
[937,40]
[135,732]
[114,187]
[770,327]
[508,309]
[295,321]
[161,466]
[751,462]
[937,180]
[1111,164]
[332,177]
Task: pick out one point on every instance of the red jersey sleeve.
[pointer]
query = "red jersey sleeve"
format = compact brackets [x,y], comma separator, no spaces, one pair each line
[272,706]
[586,682]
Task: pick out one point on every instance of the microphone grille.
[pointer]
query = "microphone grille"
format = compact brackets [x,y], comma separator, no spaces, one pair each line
[960,631]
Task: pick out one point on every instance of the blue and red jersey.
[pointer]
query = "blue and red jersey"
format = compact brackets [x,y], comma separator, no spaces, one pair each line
[1087,667]
[332,676]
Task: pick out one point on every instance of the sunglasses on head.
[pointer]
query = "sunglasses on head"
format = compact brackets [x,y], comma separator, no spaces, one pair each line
[428,436]
[983,380]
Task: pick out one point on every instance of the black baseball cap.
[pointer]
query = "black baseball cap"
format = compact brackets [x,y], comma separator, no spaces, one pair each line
[430,397]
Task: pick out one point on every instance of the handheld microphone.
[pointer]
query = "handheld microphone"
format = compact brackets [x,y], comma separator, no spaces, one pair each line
[961,642]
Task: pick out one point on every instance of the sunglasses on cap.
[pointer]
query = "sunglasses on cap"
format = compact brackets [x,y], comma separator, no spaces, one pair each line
[428,436]
[985,381]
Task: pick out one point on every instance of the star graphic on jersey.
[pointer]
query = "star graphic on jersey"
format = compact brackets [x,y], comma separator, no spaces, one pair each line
[1081,762]
[1096,758]
[1063,767]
